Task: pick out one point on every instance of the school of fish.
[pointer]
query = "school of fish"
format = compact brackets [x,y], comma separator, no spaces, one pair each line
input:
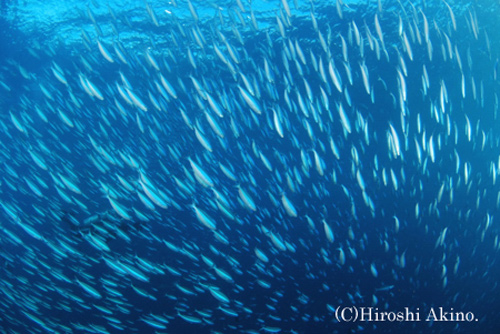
[249,166]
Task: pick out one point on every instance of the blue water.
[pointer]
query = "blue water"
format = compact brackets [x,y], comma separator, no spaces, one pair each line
[420,233]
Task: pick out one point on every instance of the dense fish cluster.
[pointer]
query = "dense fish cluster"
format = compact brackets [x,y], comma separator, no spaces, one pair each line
[248,167]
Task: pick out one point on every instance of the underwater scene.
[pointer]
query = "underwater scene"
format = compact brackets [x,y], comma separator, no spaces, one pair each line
[237,166]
